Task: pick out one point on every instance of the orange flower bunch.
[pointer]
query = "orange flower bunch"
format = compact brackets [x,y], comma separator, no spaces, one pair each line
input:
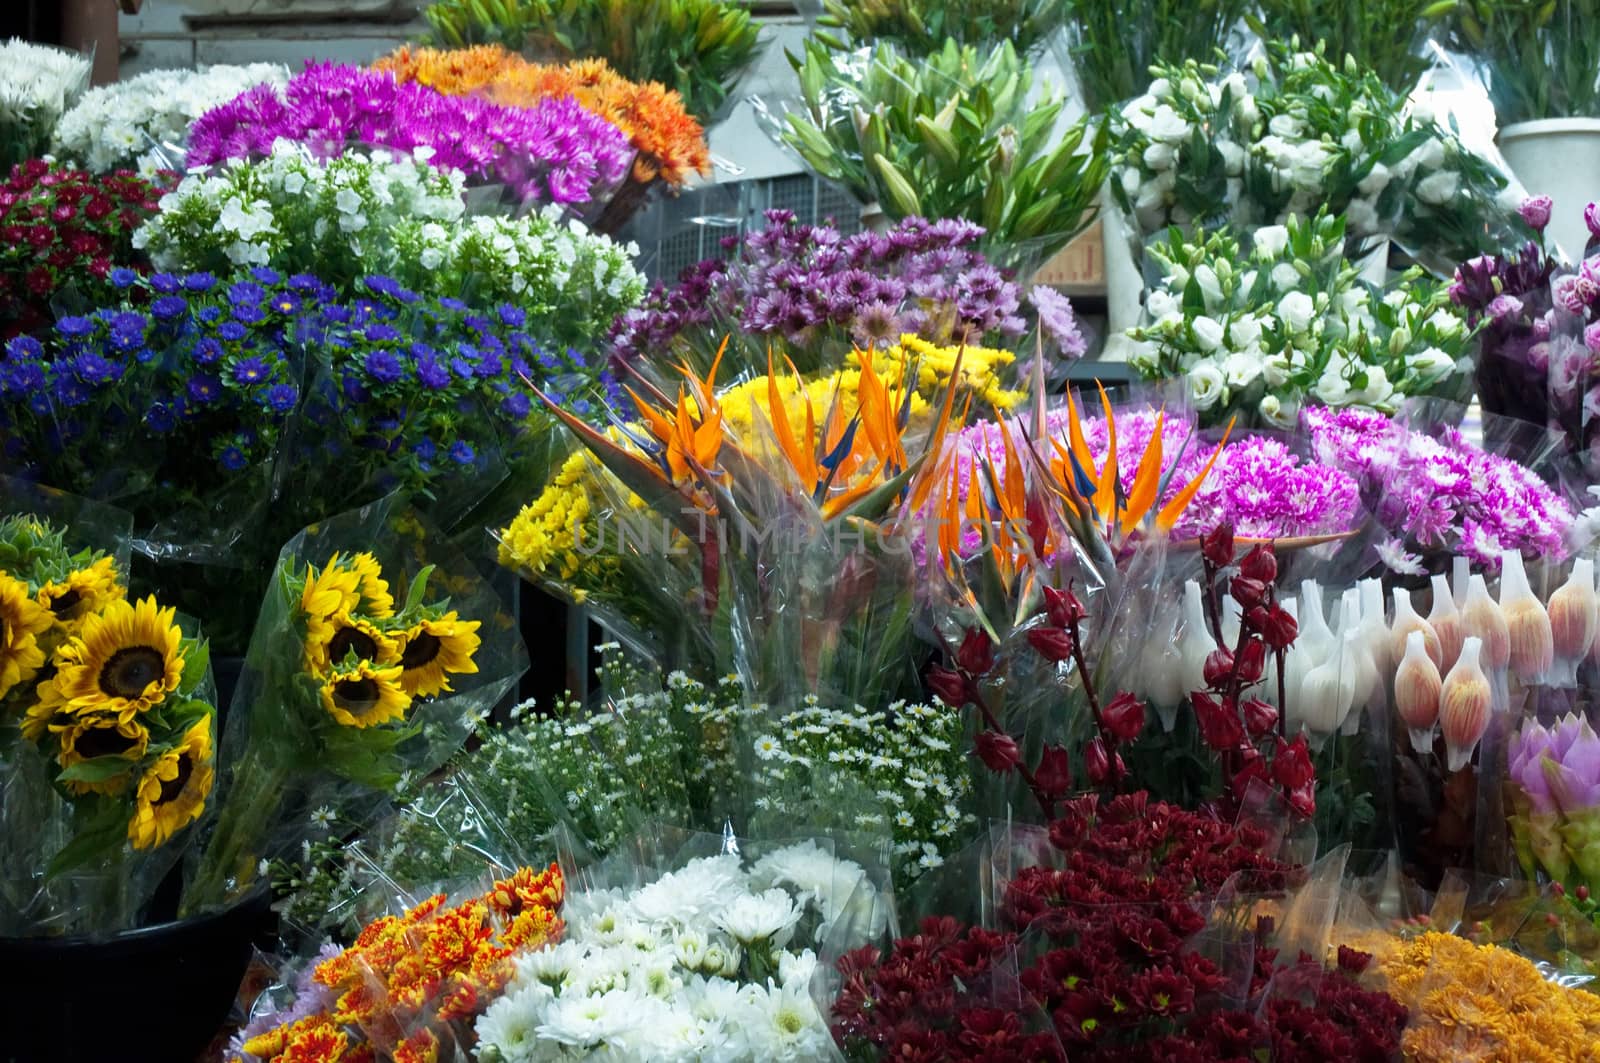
[671,144]
[1484,1003]
[412,982]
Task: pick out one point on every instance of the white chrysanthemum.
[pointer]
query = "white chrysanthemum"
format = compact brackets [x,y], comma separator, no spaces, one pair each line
[582,1021]
[509,1028]
[768,917]
[691,894]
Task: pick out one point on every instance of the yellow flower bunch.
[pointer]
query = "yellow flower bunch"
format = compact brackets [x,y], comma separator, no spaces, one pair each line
[368,662]
[1483,1002]
[410,975]
[101,684]
[935,366]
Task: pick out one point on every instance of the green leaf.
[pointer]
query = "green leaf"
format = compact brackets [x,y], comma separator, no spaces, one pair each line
[96,769]
[196,662]
[419,587]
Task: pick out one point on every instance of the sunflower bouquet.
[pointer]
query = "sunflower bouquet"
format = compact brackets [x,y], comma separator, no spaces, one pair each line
[376,652]
[107,727]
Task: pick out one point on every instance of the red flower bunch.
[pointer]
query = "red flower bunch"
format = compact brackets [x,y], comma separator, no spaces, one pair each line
[1231,715]
[906,1006]
[63,228]
[1057,637]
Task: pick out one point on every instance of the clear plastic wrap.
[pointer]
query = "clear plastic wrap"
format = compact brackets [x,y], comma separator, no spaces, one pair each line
[963,133]
[377,650]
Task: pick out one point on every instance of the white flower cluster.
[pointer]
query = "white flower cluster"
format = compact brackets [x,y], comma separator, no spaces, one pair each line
[37,85]
[1257,334]
[709,962]
[1298,135]
[905,768]
[335,218]
[543,262]
[142,123]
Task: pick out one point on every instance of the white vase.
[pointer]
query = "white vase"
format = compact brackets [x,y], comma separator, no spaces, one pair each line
[1558,157]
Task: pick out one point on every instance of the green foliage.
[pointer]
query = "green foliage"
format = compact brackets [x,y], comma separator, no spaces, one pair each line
[1385,36]
[922,26]
[1114,52]
[1542,57]
[955,135]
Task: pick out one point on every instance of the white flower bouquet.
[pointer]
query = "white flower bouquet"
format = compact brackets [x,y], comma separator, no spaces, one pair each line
[1296,133]
[1259,333]
[142,123]
[713,959]
[37,86]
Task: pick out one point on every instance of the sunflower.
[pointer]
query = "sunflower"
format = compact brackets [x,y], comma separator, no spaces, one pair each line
[86,591]
[173,791]
[336,589]
[365,695]
[125,659]
[86,738]
[432,649]
[21,624]
[48,712]
[376,601]
[334,639]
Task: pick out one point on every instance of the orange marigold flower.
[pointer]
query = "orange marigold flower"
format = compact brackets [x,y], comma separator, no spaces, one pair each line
[463,1002]
[316,1044]
[359,1005]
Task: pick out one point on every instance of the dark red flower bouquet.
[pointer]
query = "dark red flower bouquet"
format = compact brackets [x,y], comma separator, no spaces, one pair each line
[1111,949]
[62,230]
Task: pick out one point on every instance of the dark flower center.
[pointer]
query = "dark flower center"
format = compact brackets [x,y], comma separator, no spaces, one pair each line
[103,742]
[174,786]
[351,638]
[130,671]
[62,607]
[420,651]
[356,695]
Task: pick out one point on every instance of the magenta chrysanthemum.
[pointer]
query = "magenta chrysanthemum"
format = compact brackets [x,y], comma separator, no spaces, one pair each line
[1438,492]
[554,152]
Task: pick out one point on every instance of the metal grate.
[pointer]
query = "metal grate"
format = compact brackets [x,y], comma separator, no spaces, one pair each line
[679,232]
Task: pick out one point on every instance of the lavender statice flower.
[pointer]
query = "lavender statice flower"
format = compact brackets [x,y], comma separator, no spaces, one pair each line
[1057,322]
[554,152]
[814,292]
[1435,492]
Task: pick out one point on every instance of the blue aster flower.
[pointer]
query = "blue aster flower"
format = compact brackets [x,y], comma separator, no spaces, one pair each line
[425,449]
[93,369]
[462,368]
[203,388]
[383,367]
[381,333]
[20,378]
[22,347]
[280,398]
[208,350]
[168,307]
[232,331]
[249,313]
[432,374]
[266,275]
[245,292]
[249,371]
[208,315]
[516,406]
[512,316]
[70,391]
[378,284]
[581,407]
[165,283]
[491,366]
[461,453]
[285,302]
[200,282]
[75,327]
[354,390]
[452,304]
[232,459]
[122,278]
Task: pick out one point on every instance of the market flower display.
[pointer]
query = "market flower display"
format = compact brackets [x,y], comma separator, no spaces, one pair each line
[142,124]
[554,152]
[1261,334]
[62,234]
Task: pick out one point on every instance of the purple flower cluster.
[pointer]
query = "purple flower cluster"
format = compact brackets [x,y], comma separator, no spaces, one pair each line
[556,151]
[805,285]
[1258,485]
[1437,492]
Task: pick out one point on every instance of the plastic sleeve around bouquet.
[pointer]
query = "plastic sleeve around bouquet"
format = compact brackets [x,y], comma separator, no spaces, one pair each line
[963,133]
[427,650]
